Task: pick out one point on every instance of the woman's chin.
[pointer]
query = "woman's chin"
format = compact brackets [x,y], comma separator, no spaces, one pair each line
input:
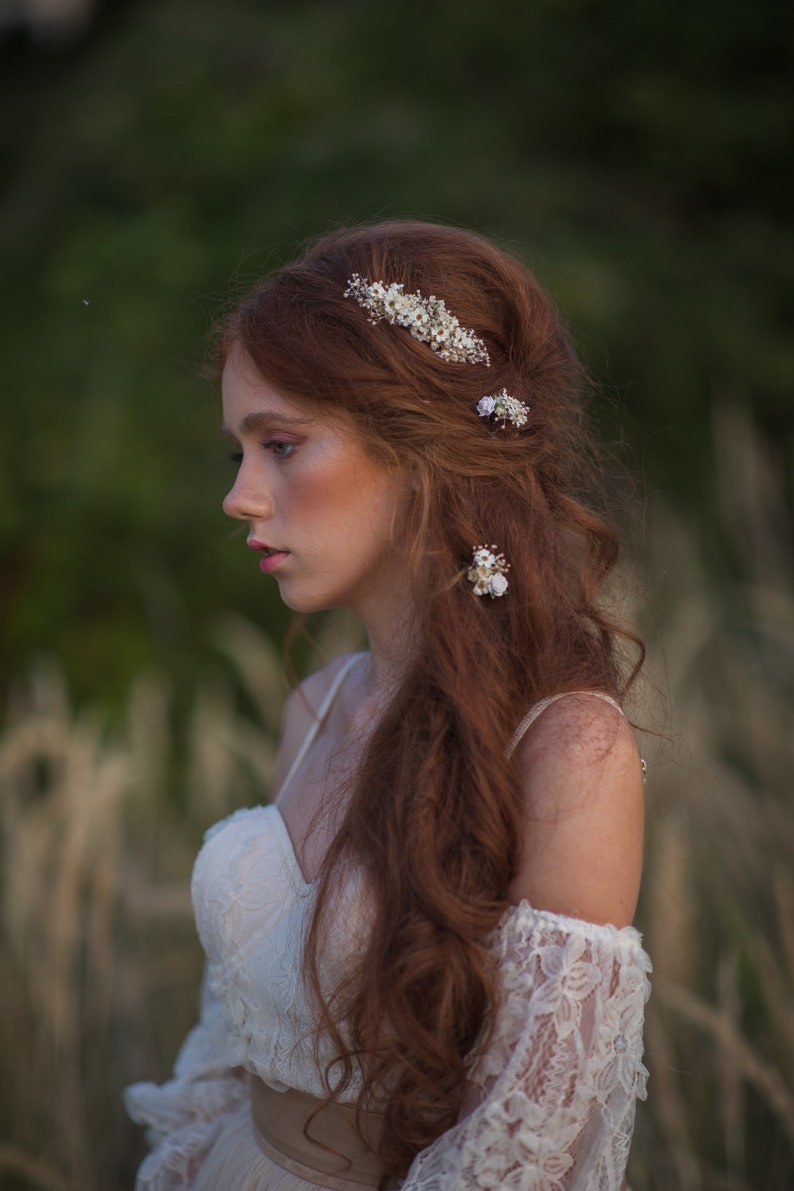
[302,602]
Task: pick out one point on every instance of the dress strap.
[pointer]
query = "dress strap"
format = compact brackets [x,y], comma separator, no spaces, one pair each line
[319,719]
[540,707]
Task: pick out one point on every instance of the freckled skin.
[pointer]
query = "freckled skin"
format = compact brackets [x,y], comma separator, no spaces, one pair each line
[307,486]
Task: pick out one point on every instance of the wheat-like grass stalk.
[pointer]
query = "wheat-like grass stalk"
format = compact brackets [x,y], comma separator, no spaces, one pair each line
[744,1058]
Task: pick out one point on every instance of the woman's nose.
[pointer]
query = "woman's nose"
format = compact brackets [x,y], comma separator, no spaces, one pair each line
[247,500]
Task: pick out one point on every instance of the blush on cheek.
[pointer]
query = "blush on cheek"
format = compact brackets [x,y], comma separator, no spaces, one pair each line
[337,493]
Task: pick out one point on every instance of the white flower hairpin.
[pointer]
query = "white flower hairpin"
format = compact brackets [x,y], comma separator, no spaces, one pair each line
[487,572]
[501,407]
[426,318]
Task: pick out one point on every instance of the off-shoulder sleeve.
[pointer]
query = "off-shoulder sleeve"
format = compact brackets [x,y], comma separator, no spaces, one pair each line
[559,1080]
[184,1115]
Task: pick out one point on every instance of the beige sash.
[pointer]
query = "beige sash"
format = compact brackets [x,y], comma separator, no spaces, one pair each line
[333,1154]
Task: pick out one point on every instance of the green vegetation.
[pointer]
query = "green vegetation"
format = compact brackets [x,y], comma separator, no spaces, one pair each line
[636,154]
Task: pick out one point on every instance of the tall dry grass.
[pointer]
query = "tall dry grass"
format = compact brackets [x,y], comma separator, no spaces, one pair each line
[98,951]
[99,960]
[718,901]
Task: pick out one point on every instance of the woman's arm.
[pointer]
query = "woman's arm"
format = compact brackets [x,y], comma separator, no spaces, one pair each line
[554,1093]
[583,833]
[553,1096]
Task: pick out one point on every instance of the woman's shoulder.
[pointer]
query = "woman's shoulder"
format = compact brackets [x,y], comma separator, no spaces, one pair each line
[310,693]
[581,727]
[302,709]
[581,775]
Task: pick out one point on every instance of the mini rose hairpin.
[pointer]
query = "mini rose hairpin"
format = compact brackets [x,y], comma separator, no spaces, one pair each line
[426,318]
[487,572]
[501,407]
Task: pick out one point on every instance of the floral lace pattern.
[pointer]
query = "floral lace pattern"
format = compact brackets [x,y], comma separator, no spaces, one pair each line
[251,905]
[562,1073]
[554,1091]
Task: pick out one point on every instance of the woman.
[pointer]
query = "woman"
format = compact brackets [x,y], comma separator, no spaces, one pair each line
[421,970]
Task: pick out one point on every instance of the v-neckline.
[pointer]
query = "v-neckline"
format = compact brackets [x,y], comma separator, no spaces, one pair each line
[288,848]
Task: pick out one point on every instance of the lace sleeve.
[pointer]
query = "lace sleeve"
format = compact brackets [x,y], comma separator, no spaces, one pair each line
[561,1075]
[184,1115]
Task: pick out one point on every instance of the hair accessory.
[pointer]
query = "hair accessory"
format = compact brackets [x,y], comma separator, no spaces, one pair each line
[426,318]
[488,571]
[503,408]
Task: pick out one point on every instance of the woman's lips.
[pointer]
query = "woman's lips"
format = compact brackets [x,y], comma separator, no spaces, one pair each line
[270,561]
[272,557]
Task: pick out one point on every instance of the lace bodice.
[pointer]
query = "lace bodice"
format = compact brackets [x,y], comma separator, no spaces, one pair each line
[251,904]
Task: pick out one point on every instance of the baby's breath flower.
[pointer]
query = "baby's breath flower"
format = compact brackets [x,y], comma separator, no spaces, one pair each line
[427,319]
[501,407]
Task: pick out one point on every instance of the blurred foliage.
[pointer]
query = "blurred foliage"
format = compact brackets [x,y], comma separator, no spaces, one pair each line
[633,152]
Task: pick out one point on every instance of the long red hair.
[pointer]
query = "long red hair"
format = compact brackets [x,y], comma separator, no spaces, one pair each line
[435,813]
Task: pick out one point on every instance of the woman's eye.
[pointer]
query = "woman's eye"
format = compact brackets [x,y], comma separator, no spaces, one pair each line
[282,450]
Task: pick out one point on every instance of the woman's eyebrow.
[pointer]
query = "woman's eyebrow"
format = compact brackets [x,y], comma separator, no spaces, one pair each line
[263,419]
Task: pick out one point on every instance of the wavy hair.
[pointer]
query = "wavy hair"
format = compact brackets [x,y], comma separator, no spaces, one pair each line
[435,812]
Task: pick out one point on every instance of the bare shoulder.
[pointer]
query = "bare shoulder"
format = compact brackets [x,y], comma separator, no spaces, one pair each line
[582,779]
[300,712]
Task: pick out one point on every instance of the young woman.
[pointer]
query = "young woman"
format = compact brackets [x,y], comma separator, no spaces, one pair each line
[421,970]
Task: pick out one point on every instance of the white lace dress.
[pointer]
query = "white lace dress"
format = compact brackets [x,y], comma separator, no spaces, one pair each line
[559,1080]
[557,1085]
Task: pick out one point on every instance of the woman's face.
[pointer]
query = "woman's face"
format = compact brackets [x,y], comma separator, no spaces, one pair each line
[319,509]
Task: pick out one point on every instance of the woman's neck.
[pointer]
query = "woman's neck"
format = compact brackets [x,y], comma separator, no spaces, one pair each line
[390,652]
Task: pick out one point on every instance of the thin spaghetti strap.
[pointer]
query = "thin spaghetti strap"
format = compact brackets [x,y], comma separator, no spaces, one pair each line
[540,707]
[319,719]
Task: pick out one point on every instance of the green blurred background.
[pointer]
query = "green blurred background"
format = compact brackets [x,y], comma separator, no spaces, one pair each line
[158,155]
[636,153]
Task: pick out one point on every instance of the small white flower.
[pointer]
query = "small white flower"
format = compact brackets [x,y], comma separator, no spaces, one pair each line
[487,572]
[503,408]
[497,585]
